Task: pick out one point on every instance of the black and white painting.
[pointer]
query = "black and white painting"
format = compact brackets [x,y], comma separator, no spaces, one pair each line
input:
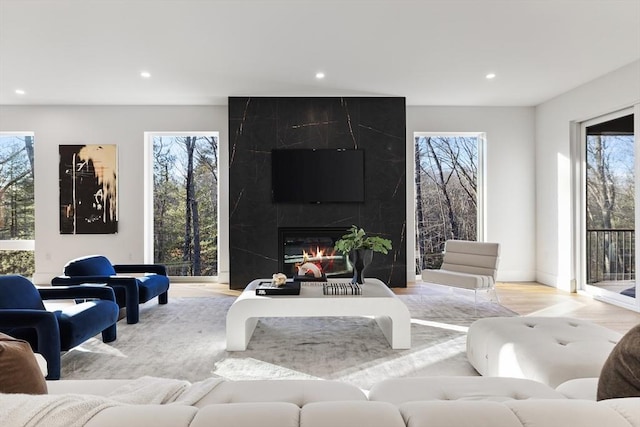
[88,189]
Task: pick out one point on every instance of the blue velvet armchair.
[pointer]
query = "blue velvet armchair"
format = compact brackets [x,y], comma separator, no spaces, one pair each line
[130,290]
[23,315]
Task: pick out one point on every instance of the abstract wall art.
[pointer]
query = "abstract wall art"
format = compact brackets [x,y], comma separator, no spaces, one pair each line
[88,189]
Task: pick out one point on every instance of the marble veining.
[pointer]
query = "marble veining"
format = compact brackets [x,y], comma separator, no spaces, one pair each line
[348,116]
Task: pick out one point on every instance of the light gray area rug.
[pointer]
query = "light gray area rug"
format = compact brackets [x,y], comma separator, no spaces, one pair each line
[185,339]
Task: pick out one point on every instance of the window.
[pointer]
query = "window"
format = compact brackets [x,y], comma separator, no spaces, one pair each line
[447,183]
[185,203]
[17,220]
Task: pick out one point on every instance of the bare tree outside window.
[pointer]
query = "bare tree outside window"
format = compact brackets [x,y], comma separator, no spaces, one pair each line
[185,181]
[17,220]
[610,186]
[446,181]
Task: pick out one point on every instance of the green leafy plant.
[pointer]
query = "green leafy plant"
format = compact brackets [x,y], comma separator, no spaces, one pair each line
[356,238]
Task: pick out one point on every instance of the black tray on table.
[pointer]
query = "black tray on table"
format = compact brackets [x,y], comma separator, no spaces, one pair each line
[268,288]
[298,278]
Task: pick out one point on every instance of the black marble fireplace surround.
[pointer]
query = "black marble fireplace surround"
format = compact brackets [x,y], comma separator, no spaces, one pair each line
[376,125]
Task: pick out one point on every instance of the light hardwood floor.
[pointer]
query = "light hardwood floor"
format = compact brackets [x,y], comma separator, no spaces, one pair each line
[526,299]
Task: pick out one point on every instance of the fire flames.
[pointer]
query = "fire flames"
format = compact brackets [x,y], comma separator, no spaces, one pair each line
[321,258]
[312,256]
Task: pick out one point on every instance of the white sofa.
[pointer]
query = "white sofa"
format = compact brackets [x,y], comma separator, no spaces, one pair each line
[405,402]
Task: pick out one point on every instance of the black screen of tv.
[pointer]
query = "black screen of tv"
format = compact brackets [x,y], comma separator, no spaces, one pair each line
[317,175]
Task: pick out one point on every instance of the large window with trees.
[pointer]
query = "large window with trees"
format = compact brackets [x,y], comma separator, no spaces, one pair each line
[185,203]
[447,182]
[17,219]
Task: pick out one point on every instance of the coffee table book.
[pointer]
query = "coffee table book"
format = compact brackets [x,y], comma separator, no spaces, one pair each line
[341,288]
[268,288]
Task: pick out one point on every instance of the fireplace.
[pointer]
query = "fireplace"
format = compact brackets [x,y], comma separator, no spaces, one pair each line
[299,246]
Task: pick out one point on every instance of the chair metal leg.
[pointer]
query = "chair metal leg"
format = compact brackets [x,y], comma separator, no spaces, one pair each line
[495,294]
[475,302]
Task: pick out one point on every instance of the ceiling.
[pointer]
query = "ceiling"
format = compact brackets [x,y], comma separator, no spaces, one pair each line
[199,52]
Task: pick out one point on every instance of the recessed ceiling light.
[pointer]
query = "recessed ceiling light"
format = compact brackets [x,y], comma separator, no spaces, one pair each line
[145,74]
[490,76]
[20,92]
[319,75]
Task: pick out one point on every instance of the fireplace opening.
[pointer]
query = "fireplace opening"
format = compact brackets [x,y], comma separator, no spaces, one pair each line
[309,251]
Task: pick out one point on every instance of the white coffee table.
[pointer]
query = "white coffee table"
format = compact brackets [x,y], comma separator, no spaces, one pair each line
[377,300]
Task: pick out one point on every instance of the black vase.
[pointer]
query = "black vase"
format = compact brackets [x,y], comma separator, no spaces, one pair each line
[360,259]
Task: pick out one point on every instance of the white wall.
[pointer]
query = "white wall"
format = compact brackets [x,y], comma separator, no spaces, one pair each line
[121,125]
[510,180]
[555,222]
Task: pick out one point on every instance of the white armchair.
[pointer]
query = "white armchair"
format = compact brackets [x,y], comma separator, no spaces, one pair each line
[467,264]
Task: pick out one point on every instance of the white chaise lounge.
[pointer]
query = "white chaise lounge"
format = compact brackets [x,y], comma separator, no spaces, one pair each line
[467,264]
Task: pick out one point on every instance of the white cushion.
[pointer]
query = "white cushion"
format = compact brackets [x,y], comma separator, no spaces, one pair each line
[144,415]
[298,392]
[628,407]
[271,414]
[400,390]
[457,279]
[93,387]
[579,388]
[563,413]
[551,350]
[350,414]
[458,413]
[519,413]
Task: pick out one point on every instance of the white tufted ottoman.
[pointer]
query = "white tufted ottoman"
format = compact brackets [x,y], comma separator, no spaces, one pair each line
[551,350]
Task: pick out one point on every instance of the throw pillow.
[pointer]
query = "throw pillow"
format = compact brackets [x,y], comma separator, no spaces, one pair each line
[620,376]
[19,370]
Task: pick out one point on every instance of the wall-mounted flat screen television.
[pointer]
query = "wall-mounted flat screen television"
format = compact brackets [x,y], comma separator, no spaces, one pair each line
[317,175]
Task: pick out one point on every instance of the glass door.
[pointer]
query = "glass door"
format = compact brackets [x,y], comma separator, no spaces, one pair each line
[609,209]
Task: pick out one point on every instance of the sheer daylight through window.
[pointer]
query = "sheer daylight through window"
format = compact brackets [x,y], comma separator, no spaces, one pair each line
[446,182]
[17,220]
[185,204]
